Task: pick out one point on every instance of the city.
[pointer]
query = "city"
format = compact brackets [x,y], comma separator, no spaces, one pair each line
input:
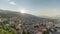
[29,16]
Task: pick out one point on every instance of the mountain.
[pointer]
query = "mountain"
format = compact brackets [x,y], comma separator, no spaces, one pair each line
[15,13]
[56,17]
[45,16]
[28,21]
[25,17]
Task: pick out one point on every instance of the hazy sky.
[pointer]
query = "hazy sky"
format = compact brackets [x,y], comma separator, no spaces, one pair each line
[35,7]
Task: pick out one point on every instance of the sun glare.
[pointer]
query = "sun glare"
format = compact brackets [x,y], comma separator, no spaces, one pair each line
[22,11]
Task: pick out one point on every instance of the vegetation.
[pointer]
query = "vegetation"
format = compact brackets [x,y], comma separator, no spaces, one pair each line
[28,32]
[7,30]
[5,27]
[3,31]
[10,20]
[24,32]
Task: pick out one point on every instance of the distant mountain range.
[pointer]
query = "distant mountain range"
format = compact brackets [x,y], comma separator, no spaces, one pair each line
[56,17]
[7,12]
[28,21]
[53,17]
[29,15]
[24,18]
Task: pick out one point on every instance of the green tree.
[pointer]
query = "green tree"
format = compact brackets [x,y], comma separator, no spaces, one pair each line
[23,32]
[28,32]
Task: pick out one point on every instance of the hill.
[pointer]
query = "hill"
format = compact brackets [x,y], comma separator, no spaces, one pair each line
[14,19]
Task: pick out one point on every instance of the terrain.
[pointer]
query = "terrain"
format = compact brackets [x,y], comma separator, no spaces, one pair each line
[11,19]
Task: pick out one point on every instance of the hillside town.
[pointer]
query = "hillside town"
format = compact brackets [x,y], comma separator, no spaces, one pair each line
[18,23]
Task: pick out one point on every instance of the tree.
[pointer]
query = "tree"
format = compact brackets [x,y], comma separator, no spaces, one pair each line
[23,32]
[28,32]
[45,32]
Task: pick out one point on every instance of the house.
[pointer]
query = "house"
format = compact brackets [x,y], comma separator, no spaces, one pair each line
[40,29]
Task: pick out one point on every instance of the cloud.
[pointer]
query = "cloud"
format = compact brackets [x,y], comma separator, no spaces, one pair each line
[12,3]
[10,0]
